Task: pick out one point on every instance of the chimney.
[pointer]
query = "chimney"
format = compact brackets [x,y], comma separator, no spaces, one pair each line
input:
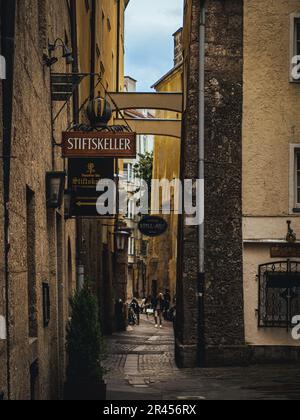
[178,50]
[130,84]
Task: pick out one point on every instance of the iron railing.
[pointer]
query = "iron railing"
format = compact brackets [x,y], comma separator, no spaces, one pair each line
[279,294]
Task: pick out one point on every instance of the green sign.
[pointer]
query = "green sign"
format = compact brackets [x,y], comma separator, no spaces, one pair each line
[83,176]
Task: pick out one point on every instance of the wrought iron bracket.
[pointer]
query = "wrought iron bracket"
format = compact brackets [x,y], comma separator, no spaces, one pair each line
[63,87]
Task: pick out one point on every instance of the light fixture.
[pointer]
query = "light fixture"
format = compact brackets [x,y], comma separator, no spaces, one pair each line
[121,237]
[49,61]
[55,185]
[66,53]
[69,203]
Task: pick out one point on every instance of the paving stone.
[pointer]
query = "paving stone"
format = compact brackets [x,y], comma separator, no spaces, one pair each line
[153,375]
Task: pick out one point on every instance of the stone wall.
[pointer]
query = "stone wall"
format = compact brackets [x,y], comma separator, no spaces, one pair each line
[188,261]
[224,316]
[44,258]
[216,333]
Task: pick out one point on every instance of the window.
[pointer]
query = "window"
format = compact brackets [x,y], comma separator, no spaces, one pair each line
[297,36]
[131,247]
[294,190]
[297,179]
[34,375]
[128,172]
[279,294]
[87,5]
[145,139]
[295,44]
[31,263]
[102,29]
[144,248]
[42,24]
[98,50]
[130,209]
[46,304]
[295,187]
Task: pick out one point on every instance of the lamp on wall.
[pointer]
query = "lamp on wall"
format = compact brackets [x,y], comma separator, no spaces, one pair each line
[121,238]
[55,185]
[66,53]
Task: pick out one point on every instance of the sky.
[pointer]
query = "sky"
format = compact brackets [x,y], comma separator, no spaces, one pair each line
[149,47]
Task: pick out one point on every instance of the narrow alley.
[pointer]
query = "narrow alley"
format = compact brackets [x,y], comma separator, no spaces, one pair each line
[140,365]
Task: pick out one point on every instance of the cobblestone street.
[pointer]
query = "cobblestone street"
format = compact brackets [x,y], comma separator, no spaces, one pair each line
[141,367]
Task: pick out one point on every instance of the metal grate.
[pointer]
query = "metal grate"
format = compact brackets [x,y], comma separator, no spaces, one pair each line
[64,85]
[279,294]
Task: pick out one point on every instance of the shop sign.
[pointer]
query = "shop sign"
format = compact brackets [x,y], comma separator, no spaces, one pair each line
[153,226]
[99,144]
[83,177]
[285,250]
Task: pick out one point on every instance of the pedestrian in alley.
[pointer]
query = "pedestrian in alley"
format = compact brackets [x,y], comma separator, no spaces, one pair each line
[136,309]
[159,305]
[149,306]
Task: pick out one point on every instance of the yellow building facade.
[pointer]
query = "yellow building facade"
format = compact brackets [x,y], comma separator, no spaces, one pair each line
[162,258]
[100,51]
[100,28]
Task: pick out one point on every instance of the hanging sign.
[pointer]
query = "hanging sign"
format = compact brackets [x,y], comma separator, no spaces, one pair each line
[83,177]
[153,226]
[98,144]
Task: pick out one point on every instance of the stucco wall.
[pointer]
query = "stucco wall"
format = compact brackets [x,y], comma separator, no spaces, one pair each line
[256,254]
[166,166]
[270,124]
[36,22]
[271,107]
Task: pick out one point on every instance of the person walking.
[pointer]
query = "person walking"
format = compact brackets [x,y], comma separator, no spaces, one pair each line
[136,309]
[158,305]
[149,306]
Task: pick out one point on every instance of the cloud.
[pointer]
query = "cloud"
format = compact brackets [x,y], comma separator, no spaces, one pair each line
[148,36]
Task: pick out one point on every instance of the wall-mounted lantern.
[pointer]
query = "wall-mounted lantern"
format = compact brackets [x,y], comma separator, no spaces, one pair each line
[55,185]
[66,53]
[121,237]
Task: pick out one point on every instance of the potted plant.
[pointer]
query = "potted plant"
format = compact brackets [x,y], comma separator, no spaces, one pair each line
[85,350]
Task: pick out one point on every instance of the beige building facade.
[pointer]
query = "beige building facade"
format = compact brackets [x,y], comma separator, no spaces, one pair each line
[271,141]
[162,256]
[238,284]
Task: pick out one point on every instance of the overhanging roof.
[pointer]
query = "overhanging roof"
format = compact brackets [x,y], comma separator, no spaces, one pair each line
[134,100]
[173,70]
[155,127]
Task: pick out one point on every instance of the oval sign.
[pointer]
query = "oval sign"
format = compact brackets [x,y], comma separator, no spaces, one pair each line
[153,226]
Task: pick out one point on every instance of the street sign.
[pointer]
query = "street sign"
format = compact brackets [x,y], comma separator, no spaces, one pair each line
[153,226]
[98,144]
[84,175]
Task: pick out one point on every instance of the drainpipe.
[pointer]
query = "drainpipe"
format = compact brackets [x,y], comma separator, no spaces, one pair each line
[8,11]
[76,117]
[201,281]
[93,48]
